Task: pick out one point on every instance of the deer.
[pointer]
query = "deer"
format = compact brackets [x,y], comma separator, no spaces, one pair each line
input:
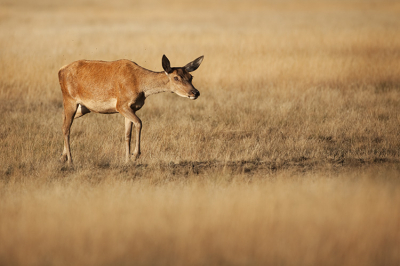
[121,86]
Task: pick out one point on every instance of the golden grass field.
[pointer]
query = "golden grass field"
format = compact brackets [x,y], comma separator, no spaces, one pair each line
[290,156]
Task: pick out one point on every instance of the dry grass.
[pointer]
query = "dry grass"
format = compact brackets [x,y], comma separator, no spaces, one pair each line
[93,218]
[290,156]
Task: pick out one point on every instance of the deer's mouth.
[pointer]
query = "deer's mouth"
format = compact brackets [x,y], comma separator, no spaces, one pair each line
[193,95]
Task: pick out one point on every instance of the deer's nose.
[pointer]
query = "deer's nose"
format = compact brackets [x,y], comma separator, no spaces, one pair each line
[196,93]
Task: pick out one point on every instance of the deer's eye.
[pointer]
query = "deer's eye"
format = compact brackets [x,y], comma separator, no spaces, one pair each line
[176,78]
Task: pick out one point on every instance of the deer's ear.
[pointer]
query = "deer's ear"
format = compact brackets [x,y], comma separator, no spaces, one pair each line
[166,64]
[192,66]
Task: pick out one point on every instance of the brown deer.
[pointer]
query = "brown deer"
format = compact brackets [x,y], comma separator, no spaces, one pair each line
[118,87]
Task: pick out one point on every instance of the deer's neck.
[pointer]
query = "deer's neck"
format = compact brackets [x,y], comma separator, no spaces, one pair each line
[156,82]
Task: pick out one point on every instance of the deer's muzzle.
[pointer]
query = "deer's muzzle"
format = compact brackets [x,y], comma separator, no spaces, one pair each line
[194,94]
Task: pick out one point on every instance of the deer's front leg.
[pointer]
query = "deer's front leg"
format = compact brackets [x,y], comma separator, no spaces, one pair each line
[131,117]
[128,131]
[138,127]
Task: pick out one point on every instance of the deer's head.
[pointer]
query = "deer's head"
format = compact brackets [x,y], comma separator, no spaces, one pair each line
[180,80]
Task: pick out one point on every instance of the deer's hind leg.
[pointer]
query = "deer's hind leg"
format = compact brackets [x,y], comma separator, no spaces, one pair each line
[70,109]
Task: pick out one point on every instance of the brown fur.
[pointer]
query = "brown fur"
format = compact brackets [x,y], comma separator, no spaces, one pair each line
[118,87]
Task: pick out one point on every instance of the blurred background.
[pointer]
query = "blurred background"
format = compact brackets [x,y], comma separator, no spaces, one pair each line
[290,156]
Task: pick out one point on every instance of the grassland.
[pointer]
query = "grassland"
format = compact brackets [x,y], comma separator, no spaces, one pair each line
[290,156]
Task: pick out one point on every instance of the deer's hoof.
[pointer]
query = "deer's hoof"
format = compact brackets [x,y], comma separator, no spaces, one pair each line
[135,156]
[63,158]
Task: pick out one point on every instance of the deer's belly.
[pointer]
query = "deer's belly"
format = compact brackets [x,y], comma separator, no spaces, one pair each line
[103,107]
